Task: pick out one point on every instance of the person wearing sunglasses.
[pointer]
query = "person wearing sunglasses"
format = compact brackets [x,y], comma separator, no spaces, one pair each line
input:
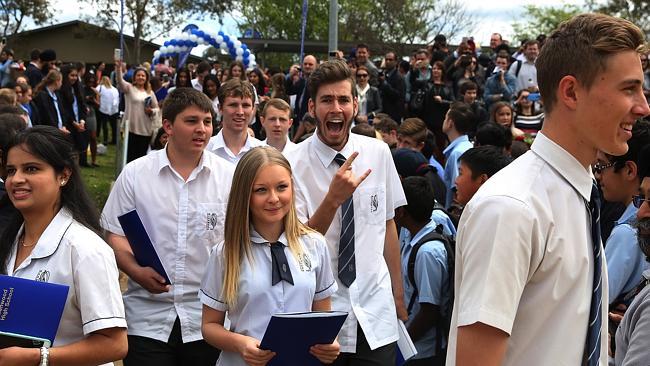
[619,181]
[369,99]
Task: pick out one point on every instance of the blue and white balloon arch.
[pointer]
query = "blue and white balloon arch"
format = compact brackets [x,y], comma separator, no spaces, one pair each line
[192,36]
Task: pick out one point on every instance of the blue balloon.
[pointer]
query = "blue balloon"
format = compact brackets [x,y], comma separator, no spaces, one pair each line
[246,60]
[246,53]
[226,38]
[220,33]
[244,46]
[200,33]
[166,43]
[230,44]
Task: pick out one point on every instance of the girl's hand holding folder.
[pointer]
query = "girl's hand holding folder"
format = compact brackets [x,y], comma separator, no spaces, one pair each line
[326,353]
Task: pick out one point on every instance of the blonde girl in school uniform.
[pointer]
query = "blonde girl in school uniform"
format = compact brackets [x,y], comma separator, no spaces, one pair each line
[261,227]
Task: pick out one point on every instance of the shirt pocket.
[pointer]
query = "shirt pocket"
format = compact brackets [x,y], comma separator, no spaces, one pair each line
[211,221]
[371,203]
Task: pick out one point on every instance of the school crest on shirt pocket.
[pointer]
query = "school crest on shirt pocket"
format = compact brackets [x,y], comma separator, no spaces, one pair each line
[372,205]
[43,275]
[211,218]
[304,262]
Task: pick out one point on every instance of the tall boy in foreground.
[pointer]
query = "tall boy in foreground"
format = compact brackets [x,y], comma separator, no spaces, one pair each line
[180,193]
[347,188]
[531,283]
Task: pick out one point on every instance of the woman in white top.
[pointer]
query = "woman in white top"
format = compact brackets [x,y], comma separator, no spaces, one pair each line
[262,234]
[109,103]
[52,237]
[141,107]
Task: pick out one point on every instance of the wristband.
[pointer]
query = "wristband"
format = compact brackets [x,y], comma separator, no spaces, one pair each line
[45,356]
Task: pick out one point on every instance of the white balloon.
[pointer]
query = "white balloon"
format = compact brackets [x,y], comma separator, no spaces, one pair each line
[223,46]
[184,36]
[239,51]
[239,58]
[236,44]
[163,50]
[201,40]
[156,54]
[251,57]
[193,37]
[219,39]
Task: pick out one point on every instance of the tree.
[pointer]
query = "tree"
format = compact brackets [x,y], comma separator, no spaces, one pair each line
[542,20]
[14,12]
[149,19]
[635,11]
[371,21]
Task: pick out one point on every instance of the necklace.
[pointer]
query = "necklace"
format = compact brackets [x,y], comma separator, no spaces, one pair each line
[22,242]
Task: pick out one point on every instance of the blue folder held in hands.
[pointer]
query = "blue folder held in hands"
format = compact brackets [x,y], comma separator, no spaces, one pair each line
[30,311]
[143,249]
[290,335]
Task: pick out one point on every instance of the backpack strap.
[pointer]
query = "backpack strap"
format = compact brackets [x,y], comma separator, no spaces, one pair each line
[431,236]
[518,68]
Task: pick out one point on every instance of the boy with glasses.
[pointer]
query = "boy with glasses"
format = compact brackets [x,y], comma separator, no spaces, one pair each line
[619,181]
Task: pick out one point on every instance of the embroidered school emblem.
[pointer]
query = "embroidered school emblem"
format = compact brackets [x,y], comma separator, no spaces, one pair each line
[211,221]
[374,203]
[305,263]
[43,275]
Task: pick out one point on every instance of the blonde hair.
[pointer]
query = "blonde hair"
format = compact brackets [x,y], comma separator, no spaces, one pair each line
[106,81]
[237,243]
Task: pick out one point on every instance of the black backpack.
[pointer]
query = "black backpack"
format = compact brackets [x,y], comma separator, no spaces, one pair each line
[442,329]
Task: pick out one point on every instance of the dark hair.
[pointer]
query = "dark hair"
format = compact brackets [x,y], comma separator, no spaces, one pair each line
[486,159]
[463,117]
[180,99]
[384,123]
[330,72]
[53,147]
[404,66]
[203,67]
[67,89]
[492,133]
[441,66]
[215,80]
[429,145]
[261,83]
[363,45]
[243,70]
[10,125]
[643,163]
[420,199]
[188,83]
[34,54]
[467,85]
[364,129]
[156,144]
[640,138]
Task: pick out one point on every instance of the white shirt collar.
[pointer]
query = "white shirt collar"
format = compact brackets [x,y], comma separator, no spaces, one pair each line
[51,237]
[258,239]
[565,164]
[326,154]
[163,161]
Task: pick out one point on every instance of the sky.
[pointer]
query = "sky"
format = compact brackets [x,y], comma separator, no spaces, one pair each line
[493,16]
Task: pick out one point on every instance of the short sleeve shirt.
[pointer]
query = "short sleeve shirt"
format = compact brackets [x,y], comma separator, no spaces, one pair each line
[184,220]
[68,253]
[524,259]
[455,149]
[257,298]
[217,145]
[369,299]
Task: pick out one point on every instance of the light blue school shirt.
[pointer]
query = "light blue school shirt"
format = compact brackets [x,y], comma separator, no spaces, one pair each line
[455,149]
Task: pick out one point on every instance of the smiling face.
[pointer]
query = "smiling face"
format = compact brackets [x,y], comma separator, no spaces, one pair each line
[140,78]
[466,186]
[190,132]
[236,112]
[271,198]
[212,88]
[32,184]
[334,108]
[611,106]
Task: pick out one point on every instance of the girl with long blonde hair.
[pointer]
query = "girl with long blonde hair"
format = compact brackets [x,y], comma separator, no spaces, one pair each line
[268,263]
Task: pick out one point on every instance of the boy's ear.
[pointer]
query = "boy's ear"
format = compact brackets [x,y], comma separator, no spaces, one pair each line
[483,178]
[631,170]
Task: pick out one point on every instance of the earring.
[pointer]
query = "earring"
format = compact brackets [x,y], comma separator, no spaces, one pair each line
[63,182]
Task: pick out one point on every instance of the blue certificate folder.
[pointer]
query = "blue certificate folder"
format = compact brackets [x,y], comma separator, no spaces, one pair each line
[290,335]
[143,250]
[29,310]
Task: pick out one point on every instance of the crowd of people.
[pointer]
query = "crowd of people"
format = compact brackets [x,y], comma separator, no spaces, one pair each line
[394,188]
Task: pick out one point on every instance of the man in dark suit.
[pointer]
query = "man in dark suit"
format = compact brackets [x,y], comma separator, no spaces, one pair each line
[296,84]
[392,88]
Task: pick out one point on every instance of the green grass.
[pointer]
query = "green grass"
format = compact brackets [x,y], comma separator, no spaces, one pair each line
[98,180]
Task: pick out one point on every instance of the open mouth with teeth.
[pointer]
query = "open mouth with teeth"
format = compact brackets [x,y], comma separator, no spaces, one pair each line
[335,126]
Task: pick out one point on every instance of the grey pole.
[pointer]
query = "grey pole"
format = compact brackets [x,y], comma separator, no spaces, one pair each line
[333,42]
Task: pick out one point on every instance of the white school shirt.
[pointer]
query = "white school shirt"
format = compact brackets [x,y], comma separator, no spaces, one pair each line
[257,299]
[369,300]
[524,259]
[289,147]
[217,145]
[68,253]
[184,221]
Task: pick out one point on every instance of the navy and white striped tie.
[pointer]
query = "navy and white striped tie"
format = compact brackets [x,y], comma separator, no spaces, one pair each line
[595,313]
[347,270]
